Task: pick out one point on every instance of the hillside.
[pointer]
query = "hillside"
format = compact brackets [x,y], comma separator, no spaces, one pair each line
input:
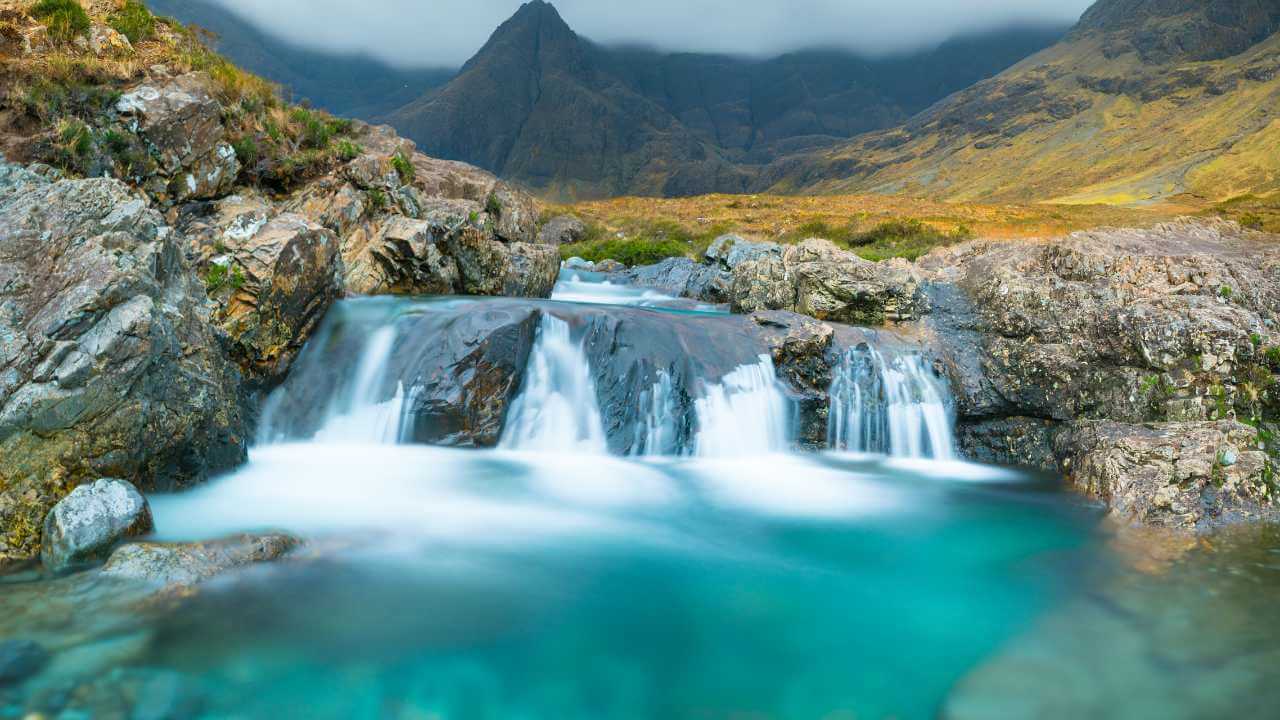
[1144,100]
[348,85]
[543,106]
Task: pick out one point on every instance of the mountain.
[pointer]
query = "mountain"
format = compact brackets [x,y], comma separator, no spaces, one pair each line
[1143,100]
[543,106]
[348,85]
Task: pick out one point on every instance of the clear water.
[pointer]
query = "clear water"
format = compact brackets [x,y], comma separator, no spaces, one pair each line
[598,289]
[549,579]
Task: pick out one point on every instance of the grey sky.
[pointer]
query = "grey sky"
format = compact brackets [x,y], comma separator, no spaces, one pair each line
[447,32]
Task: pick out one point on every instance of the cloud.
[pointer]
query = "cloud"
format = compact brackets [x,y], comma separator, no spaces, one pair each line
[447,32]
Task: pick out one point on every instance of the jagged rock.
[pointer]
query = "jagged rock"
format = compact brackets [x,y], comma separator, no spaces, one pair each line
[403,257]
[20,659]
[801,347]
[1178,475]
[680,277]
[181,123]
[513,212]
[84,525]
[609,265]
[762,284]
[109,366]
[271,276]
[562,230]
[176,565]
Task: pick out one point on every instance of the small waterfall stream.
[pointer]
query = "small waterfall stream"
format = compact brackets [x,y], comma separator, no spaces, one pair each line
[746,413]
[893,406]
[558,410]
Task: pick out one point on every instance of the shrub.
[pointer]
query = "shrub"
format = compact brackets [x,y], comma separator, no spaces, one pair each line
[247,151]
[65,19]
[223,276]
[493,205]
[1252,221]
[134,21]
[377,200]
[348,150]
[404,168]
[629,251]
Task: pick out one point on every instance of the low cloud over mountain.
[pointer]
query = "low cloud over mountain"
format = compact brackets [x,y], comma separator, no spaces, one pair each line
[447,32]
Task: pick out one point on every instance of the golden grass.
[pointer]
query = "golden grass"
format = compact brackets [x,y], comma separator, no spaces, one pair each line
[780,216]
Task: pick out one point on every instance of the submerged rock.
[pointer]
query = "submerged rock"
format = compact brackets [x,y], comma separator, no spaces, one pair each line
[84,525]
[177,565]
[19,660]
[109,365]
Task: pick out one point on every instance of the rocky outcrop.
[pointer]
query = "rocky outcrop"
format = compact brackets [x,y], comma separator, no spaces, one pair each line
[1164,332]
[181,125]
[271,276]
[84,525]
[818,279]
[1179,475]
[109,365]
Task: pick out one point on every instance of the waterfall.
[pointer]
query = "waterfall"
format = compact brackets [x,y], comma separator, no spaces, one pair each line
[894,406]
[557,410]
[657,434]
[747,413]
[361,414]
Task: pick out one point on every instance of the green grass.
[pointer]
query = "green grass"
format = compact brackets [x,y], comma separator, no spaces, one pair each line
[134,21]
[628,251]
[65,19]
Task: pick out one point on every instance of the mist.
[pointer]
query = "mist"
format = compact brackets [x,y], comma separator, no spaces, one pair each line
[444,33]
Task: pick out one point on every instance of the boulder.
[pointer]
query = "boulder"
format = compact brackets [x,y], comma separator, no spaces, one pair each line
[833,284]
[181,123]
[762,284]
[679,277]
[107,42]
[178,565]
[730,251]
[532,270]
[609,265]
[562,230]
[1185,476]
[84,525]
[513,213]
[109,364]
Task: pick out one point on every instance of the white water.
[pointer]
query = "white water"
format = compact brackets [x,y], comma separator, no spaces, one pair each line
[894,406]
[576,287]
[358,416]
[657,434]
[747,413]
[557,410]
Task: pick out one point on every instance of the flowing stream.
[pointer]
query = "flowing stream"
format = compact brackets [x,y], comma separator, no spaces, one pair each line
[599,507]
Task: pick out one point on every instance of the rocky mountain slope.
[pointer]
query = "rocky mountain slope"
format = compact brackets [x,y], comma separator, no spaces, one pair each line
[1144,100]
[540,105]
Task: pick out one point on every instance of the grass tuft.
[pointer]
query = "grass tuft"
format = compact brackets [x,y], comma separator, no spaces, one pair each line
[65,19]
[134,21]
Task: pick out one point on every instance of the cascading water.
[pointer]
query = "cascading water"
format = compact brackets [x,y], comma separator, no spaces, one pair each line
[657,433]
[557,411]
[747,413]
[894,406]
[361,414]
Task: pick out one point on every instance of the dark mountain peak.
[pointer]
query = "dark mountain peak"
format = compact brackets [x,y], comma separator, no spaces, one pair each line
[1165,31]
[528,38]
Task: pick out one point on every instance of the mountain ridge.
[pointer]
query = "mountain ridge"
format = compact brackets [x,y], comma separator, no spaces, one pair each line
[638,121]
